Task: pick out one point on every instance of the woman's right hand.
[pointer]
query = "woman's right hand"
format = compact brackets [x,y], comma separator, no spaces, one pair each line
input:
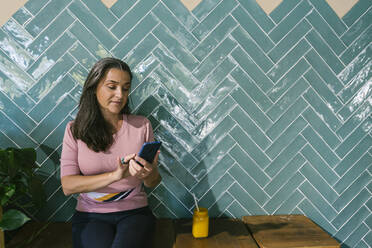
[122,168]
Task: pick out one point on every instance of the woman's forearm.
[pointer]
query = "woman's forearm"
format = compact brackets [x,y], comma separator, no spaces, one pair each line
[152,181]
[79,184]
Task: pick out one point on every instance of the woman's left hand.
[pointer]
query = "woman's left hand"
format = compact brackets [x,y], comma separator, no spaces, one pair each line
[148,173]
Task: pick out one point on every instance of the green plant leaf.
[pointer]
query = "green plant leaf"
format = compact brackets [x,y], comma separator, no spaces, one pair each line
[13,219]
[6,193]
[37,192]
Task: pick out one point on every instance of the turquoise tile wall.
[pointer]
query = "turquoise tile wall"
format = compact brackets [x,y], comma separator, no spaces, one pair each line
[258,114]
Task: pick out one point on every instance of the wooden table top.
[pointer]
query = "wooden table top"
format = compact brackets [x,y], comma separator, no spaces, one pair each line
[288,231]
[230,233]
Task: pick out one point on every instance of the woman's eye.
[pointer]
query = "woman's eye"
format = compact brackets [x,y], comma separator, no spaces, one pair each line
[125,89]
[112,87]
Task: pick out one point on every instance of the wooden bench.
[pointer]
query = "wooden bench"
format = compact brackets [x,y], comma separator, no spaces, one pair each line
[283,231]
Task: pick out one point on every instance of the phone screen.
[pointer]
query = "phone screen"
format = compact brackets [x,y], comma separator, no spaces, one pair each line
[149,150]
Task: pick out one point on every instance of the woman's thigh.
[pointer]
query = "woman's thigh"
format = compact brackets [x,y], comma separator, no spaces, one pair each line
[91,232]
[135,230]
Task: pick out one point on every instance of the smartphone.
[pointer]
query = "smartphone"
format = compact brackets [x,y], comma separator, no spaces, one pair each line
[148,151]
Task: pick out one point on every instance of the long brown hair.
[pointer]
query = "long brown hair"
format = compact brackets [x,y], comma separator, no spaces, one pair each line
[89,124]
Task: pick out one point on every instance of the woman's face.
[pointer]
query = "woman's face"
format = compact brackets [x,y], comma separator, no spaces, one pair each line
[112,91]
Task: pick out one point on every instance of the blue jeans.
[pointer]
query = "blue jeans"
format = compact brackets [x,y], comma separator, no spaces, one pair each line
[131,228]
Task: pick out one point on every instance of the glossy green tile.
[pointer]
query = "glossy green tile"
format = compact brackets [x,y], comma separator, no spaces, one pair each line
[175,128]
[250,127]
[213,176]
[237,210]
[46,15]
[246,200]
[141,52]
[6,142]
[357,28]
[214,38]
[34,6]
[289,60]
[51,56]
[288,98]
[354,155]
[320,146]
[285,174]
[215,58]
[249,147]
[258,14]
[286,137]
[284,192]
[174,108]
[14,73]
[53,140]
[311,212]
[356,11]
[319,202]
[323,50]
[328,14]
[210,159]
[353,173]
[210,122]
[14,51]
[354,137]
[320,165]
[288,117]
[251,109]
[134,36]
[89,41]
[250,167]
[22,15]
[17,33]
[182,13]
[247,43]
[121,7]
[78,73]
[326,115]
[294,199]
[55,95]
[248,184]
[277,33]
[254,30]
[173,203]
[176,68]
[186,161]
[359,115]
[357,46]
[353,190]
[93,25]
[215,191]
[217,209]
[317,181]
[250,67]
[203,8]
[358,83]
[215,16]
[290,40]
[129,20]
[50,34]
[82,55]
[287,154]
[325,31]
[321,88]
[357,236]
[212,138]
[282,10]
[290,79]
[250,88]
[53,119]
[51,78]
[324,71]
[15,114]
[357,217]
[102,12]
[178,30]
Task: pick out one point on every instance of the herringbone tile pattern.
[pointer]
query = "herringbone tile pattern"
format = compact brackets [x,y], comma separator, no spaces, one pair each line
[258,114]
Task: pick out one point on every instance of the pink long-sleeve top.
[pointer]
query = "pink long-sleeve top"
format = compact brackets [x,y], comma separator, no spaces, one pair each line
[78,159]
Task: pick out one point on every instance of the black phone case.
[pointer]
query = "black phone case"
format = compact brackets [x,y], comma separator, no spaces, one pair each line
[148,150]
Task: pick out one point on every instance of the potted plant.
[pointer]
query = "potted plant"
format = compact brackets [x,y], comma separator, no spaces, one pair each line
[20,187]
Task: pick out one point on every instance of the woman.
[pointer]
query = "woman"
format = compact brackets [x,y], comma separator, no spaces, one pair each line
[98,161]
